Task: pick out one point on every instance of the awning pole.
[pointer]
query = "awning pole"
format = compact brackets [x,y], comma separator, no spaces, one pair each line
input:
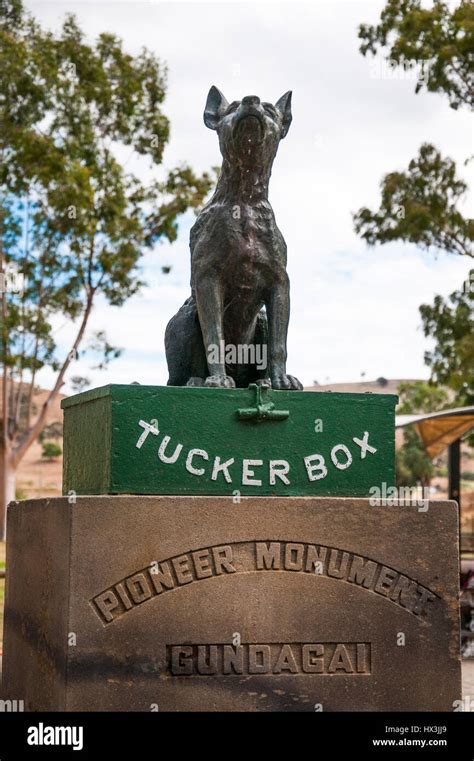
[454,473]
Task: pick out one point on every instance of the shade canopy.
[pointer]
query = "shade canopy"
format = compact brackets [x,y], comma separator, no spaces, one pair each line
[439,429]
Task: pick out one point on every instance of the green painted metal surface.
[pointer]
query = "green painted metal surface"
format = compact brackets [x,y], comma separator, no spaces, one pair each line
[166,440]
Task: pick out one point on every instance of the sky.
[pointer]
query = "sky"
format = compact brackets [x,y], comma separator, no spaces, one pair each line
[354,309]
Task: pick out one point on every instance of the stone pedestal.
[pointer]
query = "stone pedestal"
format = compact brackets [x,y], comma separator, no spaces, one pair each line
[206,603]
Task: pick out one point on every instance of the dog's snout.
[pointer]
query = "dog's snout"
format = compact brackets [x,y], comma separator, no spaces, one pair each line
[251,100]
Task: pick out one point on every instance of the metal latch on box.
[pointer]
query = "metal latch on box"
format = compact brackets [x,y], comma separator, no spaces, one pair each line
[264,410]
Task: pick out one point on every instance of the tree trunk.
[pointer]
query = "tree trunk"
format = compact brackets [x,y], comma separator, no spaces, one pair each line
[7,488]
[37,427]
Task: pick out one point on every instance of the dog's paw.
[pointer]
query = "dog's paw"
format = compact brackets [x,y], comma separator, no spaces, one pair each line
[194,381]
[282,381]
[220,381]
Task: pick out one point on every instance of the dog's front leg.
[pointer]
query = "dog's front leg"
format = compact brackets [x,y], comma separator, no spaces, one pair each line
[278,315]
[209,301]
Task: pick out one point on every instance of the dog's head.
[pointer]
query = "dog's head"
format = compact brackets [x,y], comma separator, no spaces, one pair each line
[249,131]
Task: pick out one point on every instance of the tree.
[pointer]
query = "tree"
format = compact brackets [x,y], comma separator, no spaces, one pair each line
[422,205]
[51,431]
[79,383]
[421,397]
[413,466]
[51,450]
[439,40]
[450,322]
[74,222]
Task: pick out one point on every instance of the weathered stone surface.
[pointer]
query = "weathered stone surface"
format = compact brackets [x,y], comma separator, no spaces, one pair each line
[199,603]
[162,440]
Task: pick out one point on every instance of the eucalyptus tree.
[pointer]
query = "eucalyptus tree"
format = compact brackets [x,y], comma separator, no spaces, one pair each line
[74,220]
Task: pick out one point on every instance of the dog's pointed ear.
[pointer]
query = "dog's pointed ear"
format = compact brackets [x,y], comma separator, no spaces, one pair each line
[216,104]
[284,107]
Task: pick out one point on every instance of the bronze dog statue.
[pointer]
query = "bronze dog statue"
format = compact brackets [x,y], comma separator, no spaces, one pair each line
[238,261]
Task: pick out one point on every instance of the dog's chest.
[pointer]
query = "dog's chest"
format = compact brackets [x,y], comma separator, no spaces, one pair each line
[238,244]
[252,241]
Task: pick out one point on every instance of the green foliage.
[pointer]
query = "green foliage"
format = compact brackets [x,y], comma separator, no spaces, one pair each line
[450,322]
[74,223]
[421,396]
[438,39]
[51,450]
[420,206]
[75,101]
[413,466]
[51,431]
[99,344]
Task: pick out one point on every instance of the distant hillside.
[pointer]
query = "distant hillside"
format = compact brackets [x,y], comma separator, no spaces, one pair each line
[35,476]
[379,386]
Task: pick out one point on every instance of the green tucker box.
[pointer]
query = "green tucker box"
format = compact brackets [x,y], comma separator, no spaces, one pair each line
[133,439]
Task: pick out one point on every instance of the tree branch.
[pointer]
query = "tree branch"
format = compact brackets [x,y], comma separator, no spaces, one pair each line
[4,332]
[37,427]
